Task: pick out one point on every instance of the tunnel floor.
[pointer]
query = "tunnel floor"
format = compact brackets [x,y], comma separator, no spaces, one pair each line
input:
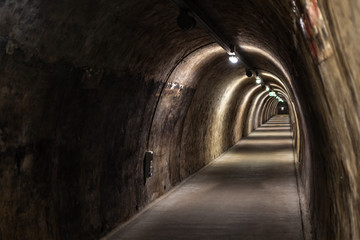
[249,192]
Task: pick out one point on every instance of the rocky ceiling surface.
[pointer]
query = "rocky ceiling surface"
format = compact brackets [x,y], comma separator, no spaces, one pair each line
[114,36]
[87,87]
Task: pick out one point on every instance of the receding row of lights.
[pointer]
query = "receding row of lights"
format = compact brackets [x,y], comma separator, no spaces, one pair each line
[234,59]
[258,80]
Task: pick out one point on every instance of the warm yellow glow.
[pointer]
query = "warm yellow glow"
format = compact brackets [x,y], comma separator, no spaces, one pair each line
[269,75]
[268,56]
[185,72]
[224,103]
[228,93]
[233,59]
[258,80]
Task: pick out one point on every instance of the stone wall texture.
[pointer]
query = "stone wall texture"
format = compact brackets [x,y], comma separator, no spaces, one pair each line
[87,87]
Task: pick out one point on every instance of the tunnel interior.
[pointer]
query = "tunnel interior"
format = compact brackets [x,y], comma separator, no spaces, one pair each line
[282,108]
[89,87]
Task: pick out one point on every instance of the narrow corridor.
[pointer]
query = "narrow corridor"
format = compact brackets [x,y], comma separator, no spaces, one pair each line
[249,192]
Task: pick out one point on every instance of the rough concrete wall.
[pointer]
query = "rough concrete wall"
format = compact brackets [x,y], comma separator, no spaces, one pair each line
[64,149]
[76,101]
[268,110]
[335,108]
[168,122]
[80,84]
[208,128]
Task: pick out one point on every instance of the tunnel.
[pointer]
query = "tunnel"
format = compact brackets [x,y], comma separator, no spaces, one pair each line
[107,107]
[282,108]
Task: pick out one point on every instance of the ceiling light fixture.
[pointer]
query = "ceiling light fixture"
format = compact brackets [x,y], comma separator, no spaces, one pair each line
[279,99]
[233,59]
[232,55]
[272,94]
[258,79]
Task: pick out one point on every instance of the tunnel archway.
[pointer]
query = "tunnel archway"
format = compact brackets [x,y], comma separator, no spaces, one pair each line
[282,108]
[87,88]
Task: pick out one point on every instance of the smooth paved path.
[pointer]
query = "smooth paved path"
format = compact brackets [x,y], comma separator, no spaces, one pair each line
[249,192]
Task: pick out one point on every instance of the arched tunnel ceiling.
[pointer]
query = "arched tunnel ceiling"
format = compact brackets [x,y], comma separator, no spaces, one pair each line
[87,87]
[135,58]
[102,34]
[255,25]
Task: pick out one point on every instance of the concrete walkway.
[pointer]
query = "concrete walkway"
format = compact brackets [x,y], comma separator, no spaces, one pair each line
[249,192]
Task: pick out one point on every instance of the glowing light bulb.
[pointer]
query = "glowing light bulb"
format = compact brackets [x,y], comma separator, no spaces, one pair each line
[272,94]
[258,80]
[233,59]
[267,88]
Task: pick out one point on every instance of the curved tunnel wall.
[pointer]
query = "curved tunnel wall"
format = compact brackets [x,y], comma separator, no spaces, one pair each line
[73,157]
[74,154]
[86,89]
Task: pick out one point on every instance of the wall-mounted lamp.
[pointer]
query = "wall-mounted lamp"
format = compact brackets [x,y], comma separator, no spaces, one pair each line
[258,80]
[192,14]
[233,59]
[232,56]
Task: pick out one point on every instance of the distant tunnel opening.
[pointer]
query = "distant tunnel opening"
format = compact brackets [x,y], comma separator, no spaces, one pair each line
[282,108]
